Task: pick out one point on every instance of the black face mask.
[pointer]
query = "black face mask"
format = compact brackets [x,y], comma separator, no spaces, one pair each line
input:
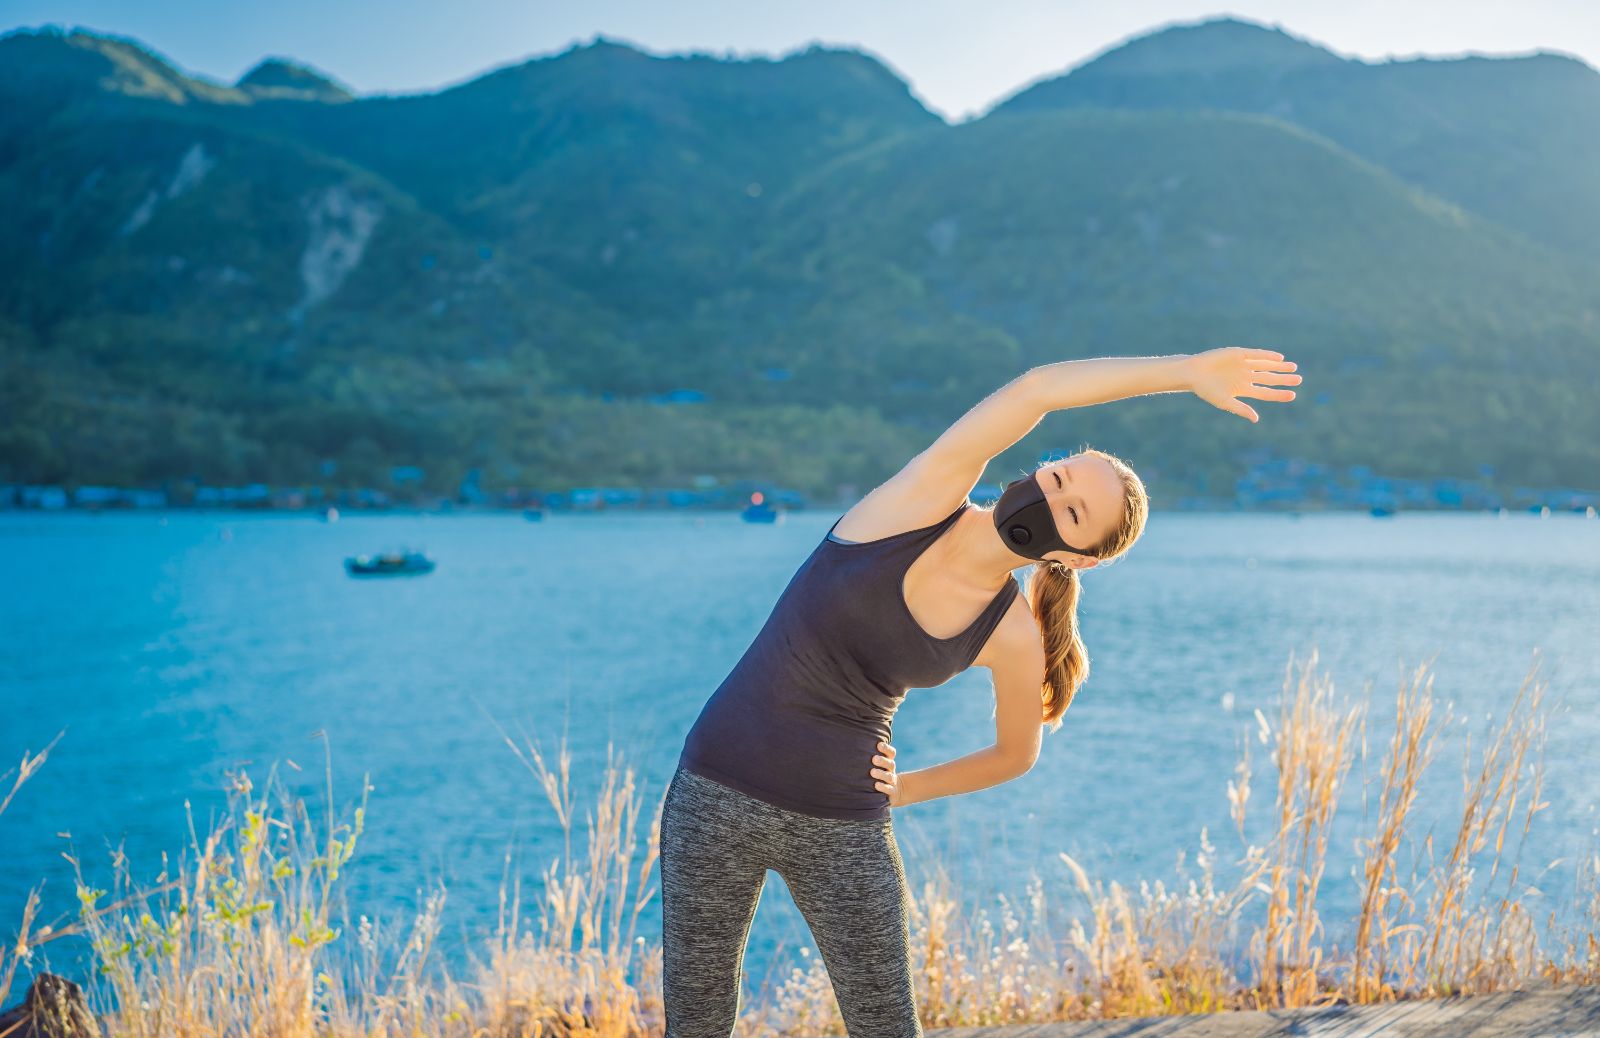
[1022,515]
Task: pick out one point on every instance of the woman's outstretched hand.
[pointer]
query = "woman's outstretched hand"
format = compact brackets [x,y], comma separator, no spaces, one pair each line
[888,781]
[1218,376]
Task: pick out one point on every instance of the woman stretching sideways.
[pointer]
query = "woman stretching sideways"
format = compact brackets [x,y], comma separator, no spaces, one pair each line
[789,766]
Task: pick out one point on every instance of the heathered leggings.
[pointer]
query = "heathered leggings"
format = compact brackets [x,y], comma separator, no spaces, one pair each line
[847,879]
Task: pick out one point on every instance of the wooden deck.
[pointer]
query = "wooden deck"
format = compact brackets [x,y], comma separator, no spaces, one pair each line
[1564,1013]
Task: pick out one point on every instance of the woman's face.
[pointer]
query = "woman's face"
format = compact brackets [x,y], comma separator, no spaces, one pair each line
[1085,496]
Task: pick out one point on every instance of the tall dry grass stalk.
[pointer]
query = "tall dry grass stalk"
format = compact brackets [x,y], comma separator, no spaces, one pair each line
[20,948]
[245,934]
[1313,753]
[1156,952]
[1379,928]
[575,972]
[1486,944]
[235,939]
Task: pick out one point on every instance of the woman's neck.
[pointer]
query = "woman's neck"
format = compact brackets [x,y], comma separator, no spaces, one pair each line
[977,554]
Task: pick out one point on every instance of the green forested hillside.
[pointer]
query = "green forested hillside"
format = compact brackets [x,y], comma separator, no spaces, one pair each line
[1096,232]
[242,282]
[1515,139]
[640,178]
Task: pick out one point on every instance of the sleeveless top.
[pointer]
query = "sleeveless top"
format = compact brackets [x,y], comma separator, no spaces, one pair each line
[798,719]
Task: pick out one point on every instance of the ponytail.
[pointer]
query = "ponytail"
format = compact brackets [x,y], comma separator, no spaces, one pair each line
[1053,593]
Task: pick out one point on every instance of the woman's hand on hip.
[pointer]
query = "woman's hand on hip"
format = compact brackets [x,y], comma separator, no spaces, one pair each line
[887,779]
[1218,376]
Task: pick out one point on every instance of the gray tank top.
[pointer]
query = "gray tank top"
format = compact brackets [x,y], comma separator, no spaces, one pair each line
[797,720]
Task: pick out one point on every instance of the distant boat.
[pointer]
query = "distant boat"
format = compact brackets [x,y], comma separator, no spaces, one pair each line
[758,511]
[389,564]
[1383,510]
[533,515]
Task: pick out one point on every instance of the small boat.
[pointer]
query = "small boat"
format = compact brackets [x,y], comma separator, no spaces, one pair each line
[389,564]
[533,515]
[758,511]
[1382,510]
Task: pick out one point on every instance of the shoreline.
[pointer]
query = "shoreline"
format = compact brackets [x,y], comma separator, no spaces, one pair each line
[1537,511]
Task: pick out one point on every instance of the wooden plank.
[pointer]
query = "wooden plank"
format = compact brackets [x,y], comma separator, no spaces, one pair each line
[1560,1013]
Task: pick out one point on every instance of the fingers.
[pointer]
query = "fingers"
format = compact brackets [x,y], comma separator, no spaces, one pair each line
[1263,360]
[1258,393]
[1263,369]
[884,777]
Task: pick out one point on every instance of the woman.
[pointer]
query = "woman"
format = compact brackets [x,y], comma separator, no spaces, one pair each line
[789,766]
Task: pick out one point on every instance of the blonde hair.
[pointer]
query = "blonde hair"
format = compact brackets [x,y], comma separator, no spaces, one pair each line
[1053,595]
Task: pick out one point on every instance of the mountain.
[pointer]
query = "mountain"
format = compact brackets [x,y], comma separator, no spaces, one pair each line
[233,283]
[43,70]
[1514,139]
[1093,232]
[286,80]
[644,178]
[244,282]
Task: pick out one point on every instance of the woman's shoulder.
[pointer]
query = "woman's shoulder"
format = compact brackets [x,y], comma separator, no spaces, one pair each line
[892,515]
[919,497]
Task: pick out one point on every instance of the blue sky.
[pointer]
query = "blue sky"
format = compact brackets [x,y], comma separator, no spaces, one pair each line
[960,56]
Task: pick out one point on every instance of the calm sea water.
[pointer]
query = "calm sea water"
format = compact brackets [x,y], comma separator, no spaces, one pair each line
[173,649]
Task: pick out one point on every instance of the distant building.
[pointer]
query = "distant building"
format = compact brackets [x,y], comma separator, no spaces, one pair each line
[96,497]
[46,497]
[679,396]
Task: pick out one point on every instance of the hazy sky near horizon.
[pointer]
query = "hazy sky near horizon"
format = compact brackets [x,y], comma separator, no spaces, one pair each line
[960,56]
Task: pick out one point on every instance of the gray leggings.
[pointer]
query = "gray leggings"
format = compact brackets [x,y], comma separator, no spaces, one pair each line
[846,877]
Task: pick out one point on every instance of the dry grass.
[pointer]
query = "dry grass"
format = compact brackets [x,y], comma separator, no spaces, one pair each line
[242,937]
[20,948]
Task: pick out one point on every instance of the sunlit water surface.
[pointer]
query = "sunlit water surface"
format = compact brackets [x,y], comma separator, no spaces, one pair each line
[175,649]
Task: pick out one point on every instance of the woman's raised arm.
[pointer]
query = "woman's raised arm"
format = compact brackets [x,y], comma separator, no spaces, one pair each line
[1010,412]
[944,473]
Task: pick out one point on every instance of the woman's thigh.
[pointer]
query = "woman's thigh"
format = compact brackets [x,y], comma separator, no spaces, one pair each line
[714,855]
[849,881]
